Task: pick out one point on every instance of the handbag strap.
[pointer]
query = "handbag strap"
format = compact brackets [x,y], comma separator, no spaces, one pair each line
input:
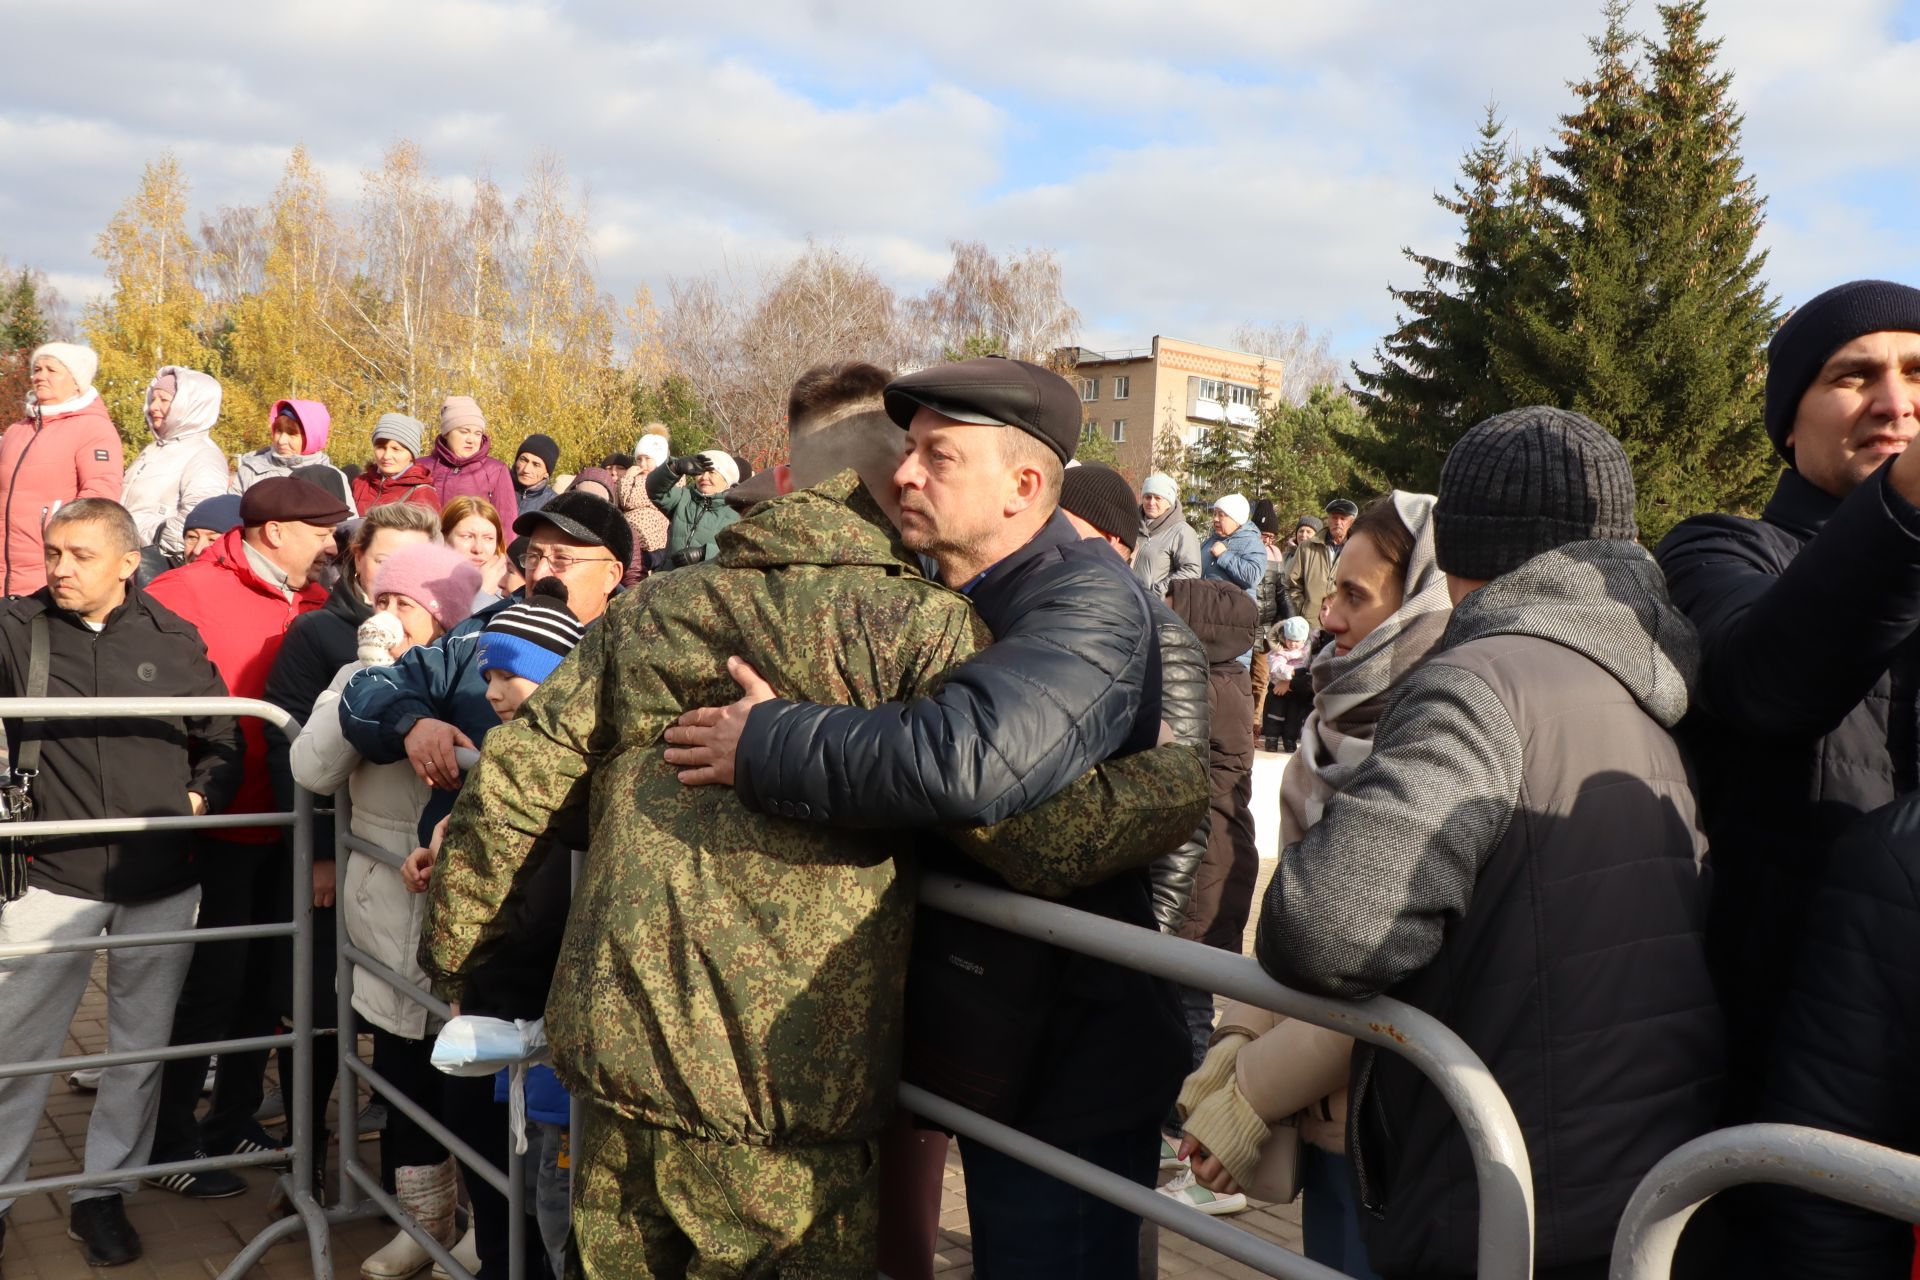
[38,671]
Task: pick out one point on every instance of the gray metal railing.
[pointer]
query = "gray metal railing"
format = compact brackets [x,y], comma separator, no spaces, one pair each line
[1493,1133]
[1826,1164]
[355,1178]
[308,1214]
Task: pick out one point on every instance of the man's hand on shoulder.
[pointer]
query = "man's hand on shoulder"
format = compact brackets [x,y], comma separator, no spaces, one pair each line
[707,739]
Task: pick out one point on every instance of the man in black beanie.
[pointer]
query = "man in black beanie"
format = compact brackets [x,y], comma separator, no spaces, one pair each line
[1791,754]
[1519,857]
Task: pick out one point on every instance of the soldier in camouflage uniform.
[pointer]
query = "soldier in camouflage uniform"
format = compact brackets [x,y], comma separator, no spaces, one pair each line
[727,1007]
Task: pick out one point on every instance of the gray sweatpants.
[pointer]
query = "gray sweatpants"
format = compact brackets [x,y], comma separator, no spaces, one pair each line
[38,997]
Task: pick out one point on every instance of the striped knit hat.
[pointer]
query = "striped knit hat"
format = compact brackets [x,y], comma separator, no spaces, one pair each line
[530,638]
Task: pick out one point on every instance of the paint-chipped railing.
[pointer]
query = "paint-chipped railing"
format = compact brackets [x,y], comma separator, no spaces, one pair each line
[1826,1164]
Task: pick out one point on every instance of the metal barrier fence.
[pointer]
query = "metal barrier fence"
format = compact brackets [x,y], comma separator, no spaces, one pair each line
[1493,1134]
[355,1177]
[307,1214]
[1826,1164]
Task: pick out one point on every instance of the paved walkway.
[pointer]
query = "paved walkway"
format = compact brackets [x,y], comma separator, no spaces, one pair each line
[193,1240]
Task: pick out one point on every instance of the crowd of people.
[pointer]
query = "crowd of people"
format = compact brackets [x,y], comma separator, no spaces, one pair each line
[1553,788]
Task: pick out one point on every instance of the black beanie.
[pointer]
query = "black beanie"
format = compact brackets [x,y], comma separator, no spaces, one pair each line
[1524,482]
[1820,327]
[1102,497]
[543,448]
[1265,518]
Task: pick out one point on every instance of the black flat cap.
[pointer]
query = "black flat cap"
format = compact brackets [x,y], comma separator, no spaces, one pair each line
[993,391]
[584,518]
[289,498]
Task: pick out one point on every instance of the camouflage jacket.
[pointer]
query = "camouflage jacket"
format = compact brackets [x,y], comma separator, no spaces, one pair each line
[727,974]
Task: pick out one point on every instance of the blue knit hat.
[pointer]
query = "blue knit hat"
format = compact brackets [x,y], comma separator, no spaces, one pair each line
[531,638]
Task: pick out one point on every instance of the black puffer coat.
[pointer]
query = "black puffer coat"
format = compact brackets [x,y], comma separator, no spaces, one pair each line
[121,768]
[1793,743]
[1183,705]
[1848,1044]
[1072,677]
[1224,619]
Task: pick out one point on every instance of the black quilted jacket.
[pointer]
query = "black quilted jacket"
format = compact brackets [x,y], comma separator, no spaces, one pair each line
[1847,1048]
[1183,705]
[1072,677]
[1793,743]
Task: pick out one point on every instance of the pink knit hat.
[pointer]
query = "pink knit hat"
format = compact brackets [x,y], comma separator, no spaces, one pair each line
[461,411]
[435,577]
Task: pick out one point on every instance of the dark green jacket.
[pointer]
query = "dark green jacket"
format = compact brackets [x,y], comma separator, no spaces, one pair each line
[692,519]
[726,974]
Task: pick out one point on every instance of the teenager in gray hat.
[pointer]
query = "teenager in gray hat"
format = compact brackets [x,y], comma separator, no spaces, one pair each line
[1520,857]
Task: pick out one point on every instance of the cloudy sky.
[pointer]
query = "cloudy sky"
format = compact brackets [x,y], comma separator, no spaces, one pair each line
[1196,165]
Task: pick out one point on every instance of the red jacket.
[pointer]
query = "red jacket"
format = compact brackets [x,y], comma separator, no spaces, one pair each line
[371,489]
[46,459]
[243,621]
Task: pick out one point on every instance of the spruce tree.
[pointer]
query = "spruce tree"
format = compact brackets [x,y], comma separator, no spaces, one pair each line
[1440,370]
[25,326]
[1659,333]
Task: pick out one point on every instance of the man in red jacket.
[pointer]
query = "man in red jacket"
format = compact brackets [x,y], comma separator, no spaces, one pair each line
[242,594]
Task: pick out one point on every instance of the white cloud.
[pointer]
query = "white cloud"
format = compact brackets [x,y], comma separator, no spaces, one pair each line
[1239,160]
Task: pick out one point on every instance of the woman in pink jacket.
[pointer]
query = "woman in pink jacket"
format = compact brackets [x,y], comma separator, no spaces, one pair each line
[65,448]
[462,464]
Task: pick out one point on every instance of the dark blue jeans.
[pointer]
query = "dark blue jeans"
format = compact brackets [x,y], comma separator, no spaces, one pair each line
[1028,1225]
[1330,1214]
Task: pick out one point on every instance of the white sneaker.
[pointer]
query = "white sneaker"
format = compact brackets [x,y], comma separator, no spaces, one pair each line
[1170,1154]
[1190,1193]
[85,1080]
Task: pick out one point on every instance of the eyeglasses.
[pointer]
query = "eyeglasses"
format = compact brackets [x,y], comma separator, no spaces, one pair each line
[560,560]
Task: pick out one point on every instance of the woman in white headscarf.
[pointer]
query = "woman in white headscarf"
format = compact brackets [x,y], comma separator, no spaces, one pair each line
[1270,1080]
[183,467]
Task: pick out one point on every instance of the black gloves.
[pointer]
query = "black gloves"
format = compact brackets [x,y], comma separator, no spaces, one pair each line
[688,466]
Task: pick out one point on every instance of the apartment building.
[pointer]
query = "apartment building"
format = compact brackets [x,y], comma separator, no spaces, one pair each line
[1174,388]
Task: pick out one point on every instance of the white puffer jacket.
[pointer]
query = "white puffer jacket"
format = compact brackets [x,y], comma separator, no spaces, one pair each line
[379,915]
[182,467]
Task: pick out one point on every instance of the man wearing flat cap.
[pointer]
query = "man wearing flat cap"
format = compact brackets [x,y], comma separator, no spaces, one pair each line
[1791,754]
[1072,678]
[1310,573]
[727,1004]
[241,594]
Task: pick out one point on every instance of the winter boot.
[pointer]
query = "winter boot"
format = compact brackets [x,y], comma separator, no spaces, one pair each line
[467,1254]
[427,1192]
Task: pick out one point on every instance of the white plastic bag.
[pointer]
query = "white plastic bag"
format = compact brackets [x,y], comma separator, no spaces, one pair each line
[473,1046]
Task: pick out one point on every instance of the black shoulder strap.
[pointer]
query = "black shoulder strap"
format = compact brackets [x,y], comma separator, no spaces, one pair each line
[38,665]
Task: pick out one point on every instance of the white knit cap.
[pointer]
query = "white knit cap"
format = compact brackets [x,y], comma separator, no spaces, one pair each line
[723,463]
[653,446]
[80,361]
[1235,505]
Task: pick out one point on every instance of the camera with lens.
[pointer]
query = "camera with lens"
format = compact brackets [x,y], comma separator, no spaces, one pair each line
[16,798]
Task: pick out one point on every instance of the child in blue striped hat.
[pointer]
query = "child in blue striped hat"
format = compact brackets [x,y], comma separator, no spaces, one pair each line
[523,645]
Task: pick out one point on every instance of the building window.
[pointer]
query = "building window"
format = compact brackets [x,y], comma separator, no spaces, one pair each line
[1248,396]
[1122,387]
[1209,389]
[1119,430]
[1090,389]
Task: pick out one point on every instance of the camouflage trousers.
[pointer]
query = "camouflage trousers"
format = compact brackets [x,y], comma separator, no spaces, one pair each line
[650,1203]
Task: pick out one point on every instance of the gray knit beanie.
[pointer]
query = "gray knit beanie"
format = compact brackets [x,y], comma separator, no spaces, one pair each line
[1524,482]
[402,430]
